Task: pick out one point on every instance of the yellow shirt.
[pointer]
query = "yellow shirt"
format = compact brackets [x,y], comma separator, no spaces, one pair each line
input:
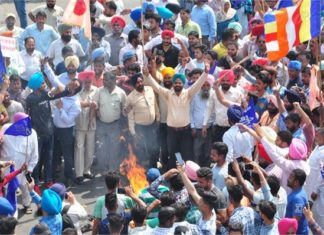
[221,50]
[111,104]
[178,106]
[143,108]
[190,26]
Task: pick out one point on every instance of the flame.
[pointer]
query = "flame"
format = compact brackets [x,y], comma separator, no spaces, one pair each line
[133,171]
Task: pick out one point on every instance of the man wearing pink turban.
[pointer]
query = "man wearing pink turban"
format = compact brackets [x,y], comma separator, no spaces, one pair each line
[287,226]
[201,139]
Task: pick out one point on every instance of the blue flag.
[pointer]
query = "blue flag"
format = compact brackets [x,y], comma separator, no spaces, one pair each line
[249,117]
[3,70]
[284,4]
[20,128]
[12,188]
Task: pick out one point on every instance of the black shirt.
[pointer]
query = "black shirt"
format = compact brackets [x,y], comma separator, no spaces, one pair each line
[171,55]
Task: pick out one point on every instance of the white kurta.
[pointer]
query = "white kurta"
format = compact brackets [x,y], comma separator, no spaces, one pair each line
[14,148]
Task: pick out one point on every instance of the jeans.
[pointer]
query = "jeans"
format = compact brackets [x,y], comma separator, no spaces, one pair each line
[179,140]
[45,150]
[21,11]
[163,136]
[202,147]
[218,132]
[64,145]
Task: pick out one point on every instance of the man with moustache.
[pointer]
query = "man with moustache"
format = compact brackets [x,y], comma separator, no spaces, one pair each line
[53,12]
[65,112]
[44,34]
[55,49]
[143,113]
[31,59]
[170,51]
[167,74]
[271,115]
[178,118]
[219,110]
[201,143]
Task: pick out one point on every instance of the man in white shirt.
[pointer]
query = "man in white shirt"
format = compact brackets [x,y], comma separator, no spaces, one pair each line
[220,169]
[10,26]
[31,59]
[220,110]
[134,44]
[65,111]
[111,103]
[55,50]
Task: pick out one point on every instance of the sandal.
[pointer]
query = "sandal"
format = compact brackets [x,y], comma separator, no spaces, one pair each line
[27,210]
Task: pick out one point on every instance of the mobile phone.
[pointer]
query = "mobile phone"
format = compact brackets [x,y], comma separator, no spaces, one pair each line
[121,191]
[248,167]
[239,159]
[179,159]
[28,177]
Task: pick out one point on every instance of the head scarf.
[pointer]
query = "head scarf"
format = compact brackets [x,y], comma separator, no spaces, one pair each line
[127,55]
[294,64]
[135,78]
[257,30]
[273,99]
[51,202]
[86,75]
[19,116]
[222,16]
[35,81]
[234,113]
[63,27]
[60,189]
[191,169]
[292,96]
[227,73]
[152,174]
[297,149]
[167,33]
[118,19]
[286,223]
[5,207]
[180,76]
[236,26]
[164,12]
[260,61]
[98,52]
[168,71]
[135,14]
[72,59]
[210,80]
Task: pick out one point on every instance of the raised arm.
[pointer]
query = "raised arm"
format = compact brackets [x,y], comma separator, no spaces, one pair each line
[198,84]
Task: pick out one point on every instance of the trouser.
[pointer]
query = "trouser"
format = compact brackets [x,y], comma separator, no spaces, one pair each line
[218,132]
[108,146]
[45,150]
[202,147]
[25,195]
[83,151]
[147,147]
[64,145]
[179,140]
[20,6]
[163,136]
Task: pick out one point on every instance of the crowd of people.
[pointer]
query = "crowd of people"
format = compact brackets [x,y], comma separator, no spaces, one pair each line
[173,86]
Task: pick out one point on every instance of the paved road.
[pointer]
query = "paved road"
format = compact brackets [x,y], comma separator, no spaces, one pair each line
[87,193]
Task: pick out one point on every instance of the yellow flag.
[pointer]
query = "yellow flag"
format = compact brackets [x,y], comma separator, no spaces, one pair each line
[77,13]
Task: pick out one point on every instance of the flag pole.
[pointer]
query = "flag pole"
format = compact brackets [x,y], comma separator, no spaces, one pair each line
[142,29]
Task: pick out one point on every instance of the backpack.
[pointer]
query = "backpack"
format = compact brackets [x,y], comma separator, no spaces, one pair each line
[66,220]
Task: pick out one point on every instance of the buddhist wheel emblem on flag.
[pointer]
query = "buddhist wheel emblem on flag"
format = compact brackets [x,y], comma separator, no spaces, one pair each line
[80,7]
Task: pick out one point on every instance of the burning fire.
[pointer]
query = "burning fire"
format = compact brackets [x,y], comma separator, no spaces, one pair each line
[133,171]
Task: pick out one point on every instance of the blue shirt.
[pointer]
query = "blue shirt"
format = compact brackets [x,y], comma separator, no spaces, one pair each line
[43,39]
[197,111]
[297,200]
[205,17]
[299,134]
